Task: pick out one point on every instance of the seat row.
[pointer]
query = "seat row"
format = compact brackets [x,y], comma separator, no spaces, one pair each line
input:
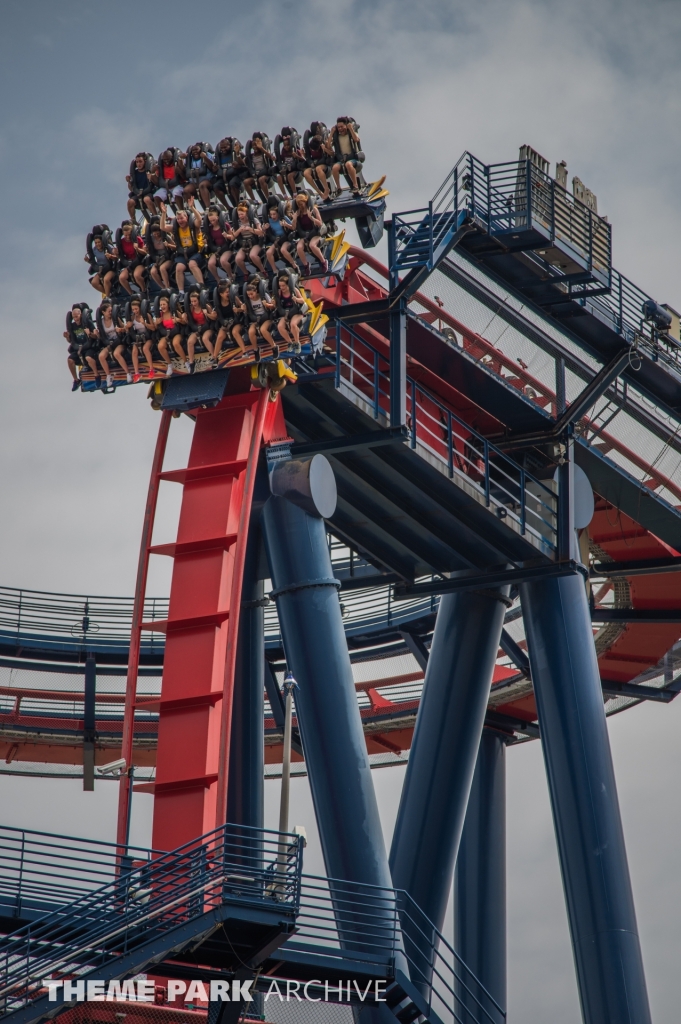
[199,329]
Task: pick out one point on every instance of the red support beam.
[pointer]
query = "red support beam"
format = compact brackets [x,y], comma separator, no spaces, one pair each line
[203,614]
[137,616]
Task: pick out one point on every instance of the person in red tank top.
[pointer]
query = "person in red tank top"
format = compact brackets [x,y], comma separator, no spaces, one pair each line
[200,326]
[132,255]
[168,331]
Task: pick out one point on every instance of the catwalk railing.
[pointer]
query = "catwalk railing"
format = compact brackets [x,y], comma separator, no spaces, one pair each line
[40,869]
[345,920]
[94,914]
[108,927]
[513,198]
[51,625]
[506,199]
[59,622]
[467,456]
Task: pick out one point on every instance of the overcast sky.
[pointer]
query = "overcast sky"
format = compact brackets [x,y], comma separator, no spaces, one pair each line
[85,84]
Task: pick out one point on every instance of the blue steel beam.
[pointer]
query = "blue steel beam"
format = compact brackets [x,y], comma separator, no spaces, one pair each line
[444,749]
[326,704]
[584,802]
[480,878]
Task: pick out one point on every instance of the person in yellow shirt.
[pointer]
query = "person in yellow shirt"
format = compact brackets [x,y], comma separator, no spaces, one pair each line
[189,242]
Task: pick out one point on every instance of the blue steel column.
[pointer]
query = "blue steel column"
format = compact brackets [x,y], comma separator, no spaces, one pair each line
[584,801]
[245,794]
[445,747]
[326,702]
[480,877]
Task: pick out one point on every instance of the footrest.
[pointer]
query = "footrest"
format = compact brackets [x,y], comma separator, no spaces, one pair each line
[195,391]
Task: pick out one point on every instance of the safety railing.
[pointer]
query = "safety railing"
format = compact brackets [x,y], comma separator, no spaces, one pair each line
[505,199]
[470,459]
[514,197]
[233,864]
[519,196]
[91,927]
[58,622]
[343,919]
[448,985]
[55,624]
[419,235]
[41,870]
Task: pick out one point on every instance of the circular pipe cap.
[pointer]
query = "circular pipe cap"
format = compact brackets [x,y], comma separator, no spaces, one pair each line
[309,483]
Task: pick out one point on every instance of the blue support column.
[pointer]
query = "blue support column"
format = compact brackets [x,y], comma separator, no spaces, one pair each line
[89,723]
[245,795]
[480,878]
[326,702]
[584,802]
[246,784]
[445,747]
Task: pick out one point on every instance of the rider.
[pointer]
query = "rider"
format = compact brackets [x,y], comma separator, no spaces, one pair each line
[113,339]
[346,146]
[171,179]
[319,160]
[161,253]
[199,326]
[247,233]
[291,307]
[308,228]
[219,238]
[140,329]
[168,328]
[131,257]
[231,170]
[189,243]
[225,318]
[81,335]
[141,185]
[291,162]
[199,171]
[258,312]
[262,166]
[278,234]
[102,260]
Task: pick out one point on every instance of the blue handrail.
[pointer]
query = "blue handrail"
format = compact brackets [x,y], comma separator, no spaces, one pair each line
[507,199]
[88,927]
[232,864]
[470,458]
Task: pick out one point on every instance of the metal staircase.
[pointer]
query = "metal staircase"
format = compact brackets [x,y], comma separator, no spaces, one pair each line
[233,900]
[352,933]
[239,884]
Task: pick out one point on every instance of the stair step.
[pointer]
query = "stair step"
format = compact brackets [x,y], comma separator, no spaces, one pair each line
[191,622]
[407,1014]
[193,546]
[395,995]
[183,476]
